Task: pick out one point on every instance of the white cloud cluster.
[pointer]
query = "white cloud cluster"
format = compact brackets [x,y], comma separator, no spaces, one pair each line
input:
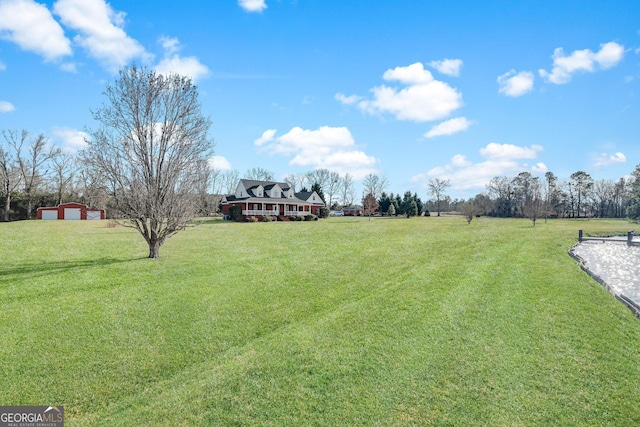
[450,67]
[6,107]
[423,99]
[174,63]
[499,159]
[220,163]
[564,66]
[331,148]
[71,140]
[604,160]
[516,84]
[252,5]
[31,26]
[449,127]
[99,30]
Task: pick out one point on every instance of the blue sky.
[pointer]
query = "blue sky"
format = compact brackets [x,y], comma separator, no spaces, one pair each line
[407,89]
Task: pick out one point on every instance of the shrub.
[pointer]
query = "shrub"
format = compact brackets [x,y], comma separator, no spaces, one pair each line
[235,212]
[253,219]
[310,217]
[266,218]
[324,212]
[299,218]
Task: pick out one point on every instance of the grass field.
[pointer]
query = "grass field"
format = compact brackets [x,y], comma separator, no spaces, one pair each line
[337,322]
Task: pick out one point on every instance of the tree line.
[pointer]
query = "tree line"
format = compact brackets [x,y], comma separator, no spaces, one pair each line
[528,196]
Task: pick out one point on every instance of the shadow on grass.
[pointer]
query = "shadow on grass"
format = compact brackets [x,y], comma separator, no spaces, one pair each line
[36,269]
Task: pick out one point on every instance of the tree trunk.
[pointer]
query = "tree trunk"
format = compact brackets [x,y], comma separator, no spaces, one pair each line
[7,206]
[154,249]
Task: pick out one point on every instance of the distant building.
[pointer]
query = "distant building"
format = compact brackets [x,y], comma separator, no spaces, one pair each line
[71,211]
[268,198]
[353,210]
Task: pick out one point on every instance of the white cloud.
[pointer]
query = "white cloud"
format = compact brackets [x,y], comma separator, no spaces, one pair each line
[516,84]
[71,140]
[2,66]
[604,160]
[6,107]
[253,5]
[174,63]
[423,100]
[347,100]
[100,32]
[331,148]
[582,60]
[31,26]
[267,136]
[499,159]
[449,127]
[450,67]
[220,163]
[495,151]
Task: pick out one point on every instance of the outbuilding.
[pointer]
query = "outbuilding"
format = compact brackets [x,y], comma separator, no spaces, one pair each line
[71,211]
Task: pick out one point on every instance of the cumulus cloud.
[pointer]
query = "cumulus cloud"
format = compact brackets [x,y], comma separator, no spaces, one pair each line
[6,107]
[174,63]
[499,159]
[564,66]
[450,67]
[267,136]
[604,160]
[347,100]
[31,26]
[449,127]
[331,148]
[2,66]
[71,140]
[100,32]
[423,99]
[220,163]
[253,5]
[516,84]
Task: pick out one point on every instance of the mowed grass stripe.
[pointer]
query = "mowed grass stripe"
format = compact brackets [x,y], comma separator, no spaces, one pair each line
[387,322]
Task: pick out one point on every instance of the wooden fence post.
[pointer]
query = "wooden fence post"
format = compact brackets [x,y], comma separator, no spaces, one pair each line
[580,236]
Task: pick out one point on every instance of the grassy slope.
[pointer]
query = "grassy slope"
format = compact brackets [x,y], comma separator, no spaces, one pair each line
[341,321]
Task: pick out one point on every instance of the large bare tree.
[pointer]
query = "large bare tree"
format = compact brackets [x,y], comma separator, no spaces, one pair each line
[437,188]
[10,176]
[152,152]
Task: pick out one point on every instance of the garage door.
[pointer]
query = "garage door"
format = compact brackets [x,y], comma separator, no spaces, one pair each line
[93,215]
[71,213]
[50,214]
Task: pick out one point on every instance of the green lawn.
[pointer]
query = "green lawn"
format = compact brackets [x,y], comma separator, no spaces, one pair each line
[342,321]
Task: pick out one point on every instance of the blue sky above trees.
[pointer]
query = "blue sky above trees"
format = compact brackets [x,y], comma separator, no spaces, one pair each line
[409,90]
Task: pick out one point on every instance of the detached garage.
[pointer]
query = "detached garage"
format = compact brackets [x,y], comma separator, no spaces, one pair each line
[71,211]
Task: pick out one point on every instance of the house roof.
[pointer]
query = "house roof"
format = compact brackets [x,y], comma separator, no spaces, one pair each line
[252,197]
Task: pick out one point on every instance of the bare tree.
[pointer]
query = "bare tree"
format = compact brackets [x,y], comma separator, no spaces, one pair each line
[259,174]
[375,185]
[152,152]
[231,179]
[347,190]
[10,176]
[295,180]
[469,209]
[320,177]
[332,187]
[533,205]
[437,188]
[64,169]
